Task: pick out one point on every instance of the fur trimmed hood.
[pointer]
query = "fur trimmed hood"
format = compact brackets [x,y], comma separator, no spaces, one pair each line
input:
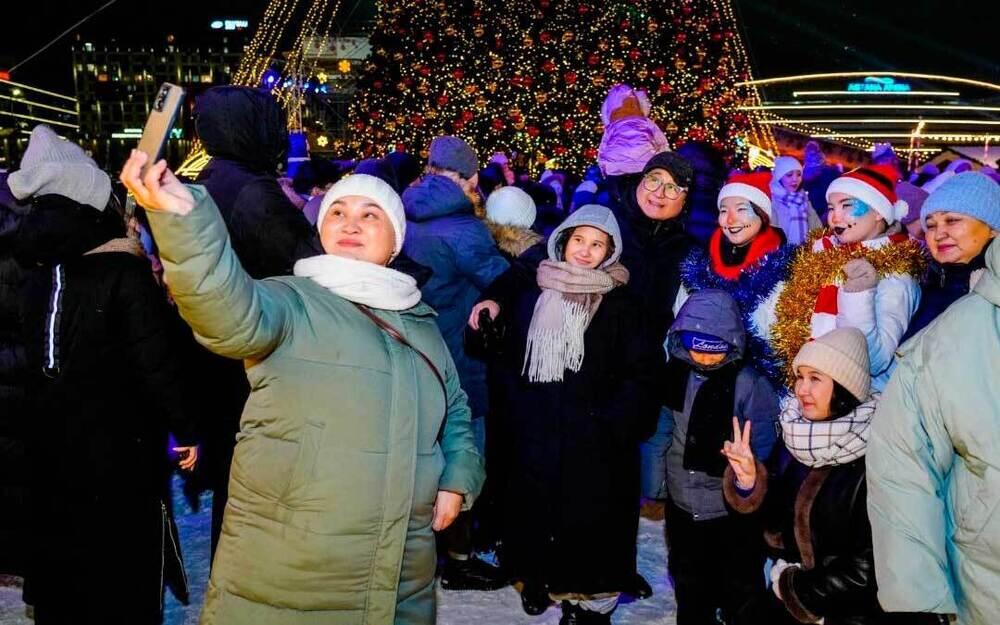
[512,239]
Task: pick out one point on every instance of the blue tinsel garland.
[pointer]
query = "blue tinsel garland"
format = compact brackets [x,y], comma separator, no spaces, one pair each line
[754,285]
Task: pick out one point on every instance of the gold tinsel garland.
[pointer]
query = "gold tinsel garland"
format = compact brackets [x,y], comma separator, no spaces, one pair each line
[811,271]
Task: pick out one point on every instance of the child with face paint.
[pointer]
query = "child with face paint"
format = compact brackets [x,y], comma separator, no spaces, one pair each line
[578,374]
[746,257]
[871,269]
[791,209]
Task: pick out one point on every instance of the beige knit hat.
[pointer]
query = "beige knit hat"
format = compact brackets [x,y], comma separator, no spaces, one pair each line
[842,355]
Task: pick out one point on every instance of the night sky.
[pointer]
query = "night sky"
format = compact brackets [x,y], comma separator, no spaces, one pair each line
[957,37]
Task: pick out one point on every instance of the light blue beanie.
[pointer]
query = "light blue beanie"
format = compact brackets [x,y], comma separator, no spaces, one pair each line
[969,193]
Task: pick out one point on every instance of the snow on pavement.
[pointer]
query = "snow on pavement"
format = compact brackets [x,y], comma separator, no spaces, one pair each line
[454,608]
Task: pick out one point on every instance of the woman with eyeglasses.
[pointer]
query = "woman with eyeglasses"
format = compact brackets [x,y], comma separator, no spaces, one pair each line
[747,257]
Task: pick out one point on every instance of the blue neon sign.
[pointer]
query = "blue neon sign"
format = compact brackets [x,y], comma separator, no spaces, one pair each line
[879,84]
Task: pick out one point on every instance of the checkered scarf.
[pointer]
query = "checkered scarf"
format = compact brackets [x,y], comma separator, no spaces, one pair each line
[824,443]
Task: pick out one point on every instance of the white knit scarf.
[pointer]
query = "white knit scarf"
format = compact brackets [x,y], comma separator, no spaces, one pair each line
[831,442]
[361,282]
[570,298]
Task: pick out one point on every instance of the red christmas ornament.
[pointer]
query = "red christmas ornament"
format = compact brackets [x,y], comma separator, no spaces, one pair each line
[590,154]
[582,107]
[439,57]
[686,10]
[583,9]
[374,115]
[665,87]
[400,147]
[428,36]
[457,73]
[467,115]
[716,36]
[660,72]
[377,84]
[528,81]
[420,45]
[681,37]
[442,100]
[424,70]
[359,125]
[407,81]
[497,124]
[417,120]
[548,66]
[593,59]
[544,4]
[458,124]
[532,131]
[568,125]
[545,36]
[625,24]
[559,150]
[570,78]
[517,81]
[634,54]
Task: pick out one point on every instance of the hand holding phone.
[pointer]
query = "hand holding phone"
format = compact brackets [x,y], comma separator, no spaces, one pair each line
[160,121]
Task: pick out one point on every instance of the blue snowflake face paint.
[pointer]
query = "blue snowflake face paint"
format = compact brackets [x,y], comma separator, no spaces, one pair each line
[738,220]
[860,209]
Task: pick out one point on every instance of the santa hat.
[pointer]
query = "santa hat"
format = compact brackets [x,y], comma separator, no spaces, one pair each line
[874,185]
[754,187]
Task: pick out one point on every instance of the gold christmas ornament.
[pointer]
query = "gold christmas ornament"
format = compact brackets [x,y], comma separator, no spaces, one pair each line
[496,62]
[541,97]
[618,65]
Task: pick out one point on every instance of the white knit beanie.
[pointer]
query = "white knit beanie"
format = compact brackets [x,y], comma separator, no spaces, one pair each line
[783,165]
[378,191]
[841,354]
[53,165]
[511,206]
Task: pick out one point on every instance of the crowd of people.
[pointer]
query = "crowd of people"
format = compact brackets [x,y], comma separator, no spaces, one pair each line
[396,371]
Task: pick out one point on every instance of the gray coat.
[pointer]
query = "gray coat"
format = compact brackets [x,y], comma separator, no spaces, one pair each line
[715,312]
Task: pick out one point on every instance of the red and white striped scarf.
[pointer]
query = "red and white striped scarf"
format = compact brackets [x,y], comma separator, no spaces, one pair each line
[824,316]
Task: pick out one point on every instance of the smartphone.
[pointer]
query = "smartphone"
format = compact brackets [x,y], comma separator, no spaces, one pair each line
[160,121]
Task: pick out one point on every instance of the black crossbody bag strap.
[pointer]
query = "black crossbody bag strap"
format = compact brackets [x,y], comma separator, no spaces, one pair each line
[389,329]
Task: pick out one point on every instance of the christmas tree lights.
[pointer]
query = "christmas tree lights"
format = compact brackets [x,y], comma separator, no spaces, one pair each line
[531,76]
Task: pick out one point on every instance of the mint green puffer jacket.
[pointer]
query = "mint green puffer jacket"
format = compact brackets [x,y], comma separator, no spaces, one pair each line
[934,464]
[341,449]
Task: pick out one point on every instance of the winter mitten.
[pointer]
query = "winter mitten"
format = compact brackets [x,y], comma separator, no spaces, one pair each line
[861,276]
[776,571]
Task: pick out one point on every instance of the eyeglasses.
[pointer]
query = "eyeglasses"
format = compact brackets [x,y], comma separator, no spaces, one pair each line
[670,190]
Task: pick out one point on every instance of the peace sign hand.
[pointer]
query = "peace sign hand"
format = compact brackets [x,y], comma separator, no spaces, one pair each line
[740,456]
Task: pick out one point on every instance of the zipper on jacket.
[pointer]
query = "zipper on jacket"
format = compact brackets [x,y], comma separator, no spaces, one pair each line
[51,364]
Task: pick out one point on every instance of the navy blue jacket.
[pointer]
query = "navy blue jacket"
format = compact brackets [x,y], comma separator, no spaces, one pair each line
[444,234]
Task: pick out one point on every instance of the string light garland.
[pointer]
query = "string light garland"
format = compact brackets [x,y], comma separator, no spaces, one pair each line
[531,77]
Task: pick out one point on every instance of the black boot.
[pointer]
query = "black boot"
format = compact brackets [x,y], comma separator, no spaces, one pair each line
[575,615]
[471,574]
[640,588]
[535,599]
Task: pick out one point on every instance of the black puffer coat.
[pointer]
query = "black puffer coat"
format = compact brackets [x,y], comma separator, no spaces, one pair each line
[106,386]
[244,131]
[13,416]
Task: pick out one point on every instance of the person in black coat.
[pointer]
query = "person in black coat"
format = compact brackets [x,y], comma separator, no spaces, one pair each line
[13,416]
[813,497]
[652,207]
[106,386]
[578,383]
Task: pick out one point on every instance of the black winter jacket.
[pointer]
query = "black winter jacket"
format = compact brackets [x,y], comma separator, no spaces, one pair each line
[244,131]
[13,414]
[652,252]
[572,492]
[106,385]
[818,517]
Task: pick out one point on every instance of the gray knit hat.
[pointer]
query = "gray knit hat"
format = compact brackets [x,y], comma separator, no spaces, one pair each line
[52,165]
[969,193]
[843,355]
[452,153]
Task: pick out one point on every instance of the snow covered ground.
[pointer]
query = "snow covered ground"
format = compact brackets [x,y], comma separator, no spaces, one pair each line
[454,608]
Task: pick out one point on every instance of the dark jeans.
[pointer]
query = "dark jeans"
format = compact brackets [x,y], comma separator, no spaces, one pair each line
[715,565]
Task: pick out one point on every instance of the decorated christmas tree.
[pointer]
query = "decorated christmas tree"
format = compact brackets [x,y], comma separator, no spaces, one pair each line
[530,76]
